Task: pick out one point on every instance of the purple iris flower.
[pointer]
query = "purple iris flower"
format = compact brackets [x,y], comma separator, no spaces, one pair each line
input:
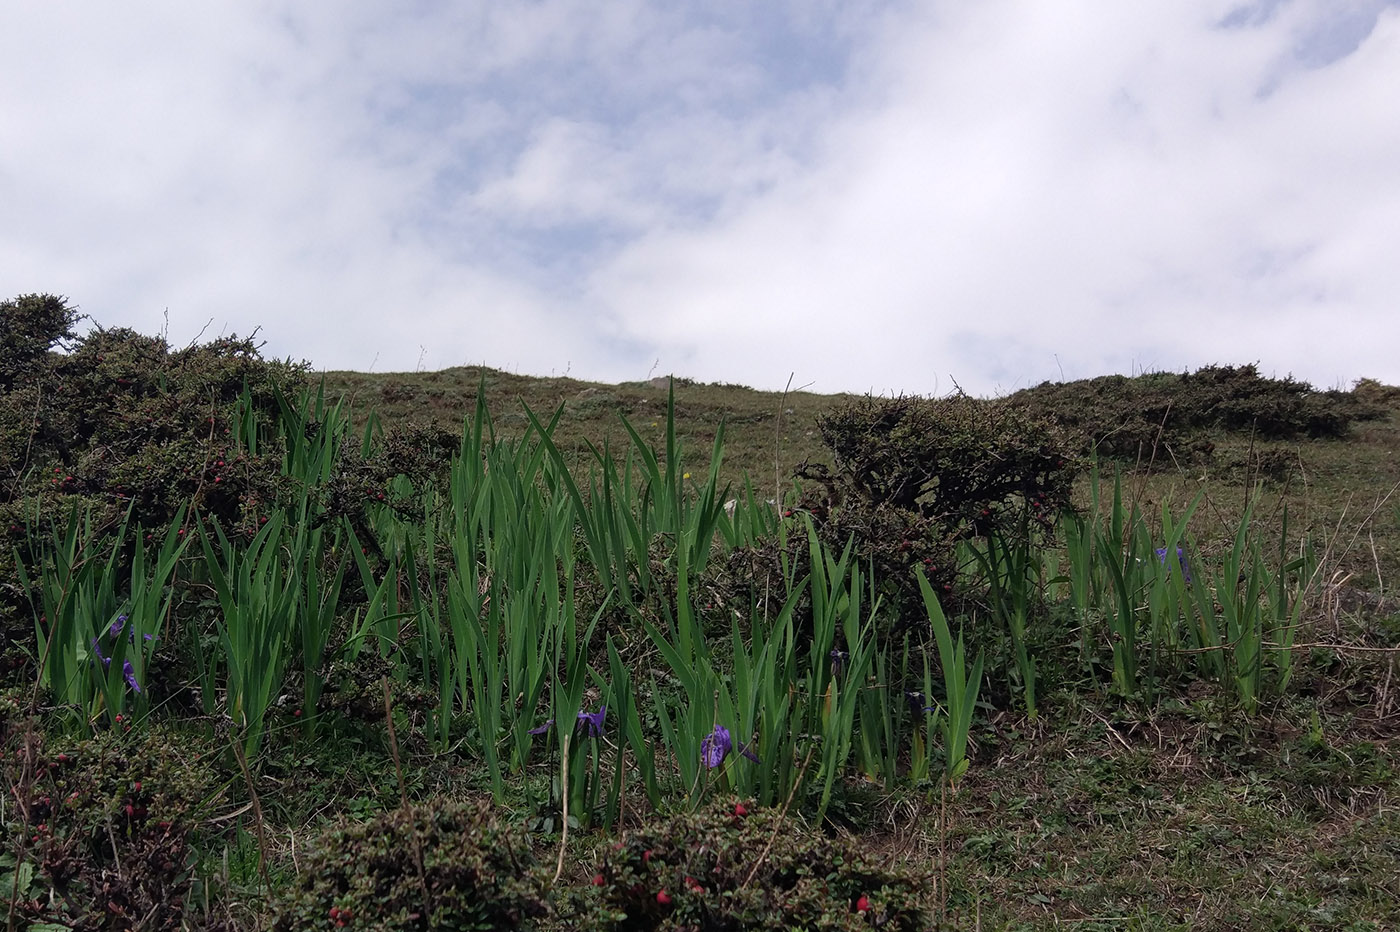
[746,751]
[716,746]
[915,698]
[594,721]
[130,673]
[838,661]
[1180,559]
[96,649]
[118,625]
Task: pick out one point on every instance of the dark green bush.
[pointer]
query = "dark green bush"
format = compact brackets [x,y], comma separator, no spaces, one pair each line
[124,424]
[1159,417]
[911,477]
[478,874]
[30,327]
[734,866]
[108,824]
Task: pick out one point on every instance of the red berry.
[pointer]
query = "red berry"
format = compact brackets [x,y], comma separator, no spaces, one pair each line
[119,718]
[646,856]
[598,880]
[138,786]
[862,904]
[335,912]
[663,898]
[740,809]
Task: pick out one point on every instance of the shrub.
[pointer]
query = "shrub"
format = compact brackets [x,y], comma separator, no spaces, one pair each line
[109,822]
[912,477]
[736,866]
[30,326]
[1158,416]
[125,424]
[478,874]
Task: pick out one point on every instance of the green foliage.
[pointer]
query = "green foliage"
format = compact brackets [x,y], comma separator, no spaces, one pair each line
[109,825]
[736,866]
[30,326]
[126,425]
[476,873]
[912,477]
[1158,416]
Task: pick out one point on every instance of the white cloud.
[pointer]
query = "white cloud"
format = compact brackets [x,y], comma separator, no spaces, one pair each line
[1036,185]
[885,195]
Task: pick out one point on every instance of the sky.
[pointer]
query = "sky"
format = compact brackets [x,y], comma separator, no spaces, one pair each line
[848,195]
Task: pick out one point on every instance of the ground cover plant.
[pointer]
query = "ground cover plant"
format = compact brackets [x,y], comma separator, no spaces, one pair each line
[315,672]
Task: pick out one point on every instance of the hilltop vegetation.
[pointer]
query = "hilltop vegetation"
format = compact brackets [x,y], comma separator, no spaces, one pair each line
[1119,652]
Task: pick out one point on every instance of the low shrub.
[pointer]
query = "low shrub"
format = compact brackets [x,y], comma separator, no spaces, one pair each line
[477,873]
[912,477]
[1160,416]
[107,826]
[735,866]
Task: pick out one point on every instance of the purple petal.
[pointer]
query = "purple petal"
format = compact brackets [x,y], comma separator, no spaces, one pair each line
[130,672]
[716,746]
[594,721]
[543,728]
[106,661]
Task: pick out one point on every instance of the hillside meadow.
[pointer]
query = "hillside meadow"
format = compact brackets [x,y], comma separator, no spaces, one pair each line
[467,649]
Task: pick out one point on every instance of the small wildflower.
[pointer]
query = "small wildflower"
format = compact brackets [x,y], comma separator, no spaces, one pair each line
[594,721]
[1180,559]
[130,673]
[838,661]
[716,746]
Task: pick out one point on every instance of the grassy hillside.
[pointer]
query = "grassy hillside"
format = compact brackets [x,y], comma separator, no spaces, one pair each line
[259,673]
[1340,490]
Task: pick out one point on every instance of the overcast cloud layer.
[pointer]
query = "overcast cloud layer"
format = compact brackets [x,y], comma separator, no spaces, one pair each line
[873,195]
